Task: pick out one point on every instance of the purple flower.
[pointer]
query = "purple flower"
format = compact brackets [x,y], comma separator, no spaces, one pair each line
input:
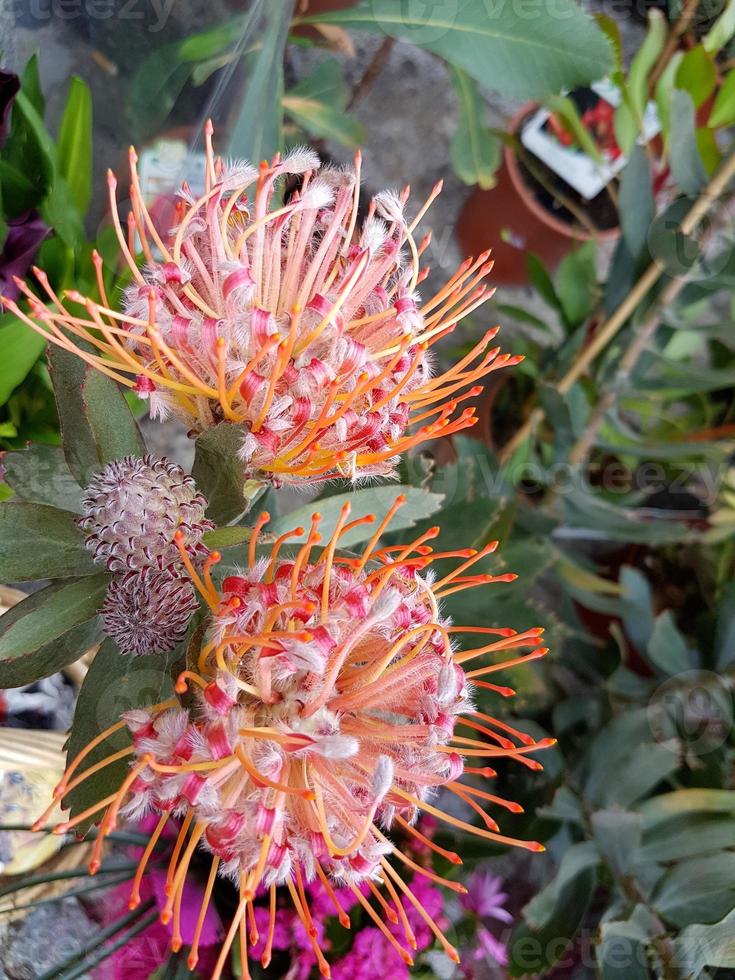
[9,88]
[490,947]
[24,237]
[485,897]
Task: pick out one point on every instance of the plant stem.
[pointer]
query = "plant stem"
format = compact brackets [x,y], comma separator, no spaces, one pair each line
[608,330]
[643,335]
[369,76]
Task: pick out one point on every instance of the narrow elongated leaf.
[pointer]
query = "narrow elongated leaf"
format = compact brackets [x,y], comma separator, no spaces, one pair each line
[686,163]
[50,629]
[721,31]
[20,348]
[257,132]
[667,648]
[637,206]
[498,43]
[318,104]
[114,684]
[629,114]
[38,541]
[576,284]
[96,424]
[618,836]
[370,500]
[74,145]
[725,638]
[475,153]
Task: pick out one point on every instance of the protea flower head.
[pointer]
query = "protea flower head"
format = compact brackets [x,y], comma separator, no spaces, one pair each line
[326,702]
[133,508]
[295,320]
[148,611]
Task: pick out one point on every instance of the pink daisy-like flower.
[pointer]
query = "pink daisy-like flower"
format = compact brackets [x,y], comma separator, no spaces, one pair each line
[294,320]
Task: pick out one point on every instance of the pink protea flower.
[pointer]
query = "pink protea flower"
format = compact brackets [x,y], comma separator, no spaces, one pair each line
[293,320]
[325,703]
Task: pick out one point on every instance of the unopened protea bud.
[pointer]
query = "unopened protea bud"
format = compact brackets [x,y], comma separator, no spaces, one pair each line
[148,611]
[134,507]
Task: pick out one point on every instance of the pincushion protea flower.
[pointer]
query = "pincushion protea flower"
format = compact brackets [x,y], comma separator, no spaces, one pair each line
[290,319]
[325,703]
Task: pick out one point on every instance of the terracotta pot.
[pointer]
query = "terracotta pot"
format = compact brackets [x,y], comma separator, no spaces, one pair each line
[511,221]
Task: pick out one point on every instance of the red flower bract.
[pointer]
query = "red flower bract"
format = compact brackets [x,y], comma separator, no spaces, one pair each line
[327,695]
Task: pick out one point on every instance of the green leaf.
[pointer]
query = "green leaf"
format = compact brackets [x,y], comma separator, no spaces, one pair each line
[37,542]
[563,106]
[725,636]
[114,684]
[622,952]
[155,88]
[685,801]
[699,946]
[40,475]
[503,46]
[475,152]
[639,621]
[664,88]
[30,83]
[226,537]
[318,104]
[96,423]
[535,950]
[218,471]
[629,114]
[721,31]
[541,281]
[611,30]
[419,505]
[20,348]
[618,836]
[50,629]
[257,131]
[667,649]
[696,75]
[688,835]
[576,284]
[637,206]
[686,164]
[322,121]
[723,111]
[74,144]
[699,890]
[577,859]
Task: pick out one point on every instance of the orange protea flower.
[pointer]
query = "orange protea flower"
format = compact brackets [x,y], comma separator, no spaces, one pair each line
[326,699]
[290,319]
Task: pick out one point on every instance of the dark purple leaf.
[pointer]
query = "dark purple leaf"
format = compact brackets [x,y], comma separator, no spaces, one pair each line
[24,237]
